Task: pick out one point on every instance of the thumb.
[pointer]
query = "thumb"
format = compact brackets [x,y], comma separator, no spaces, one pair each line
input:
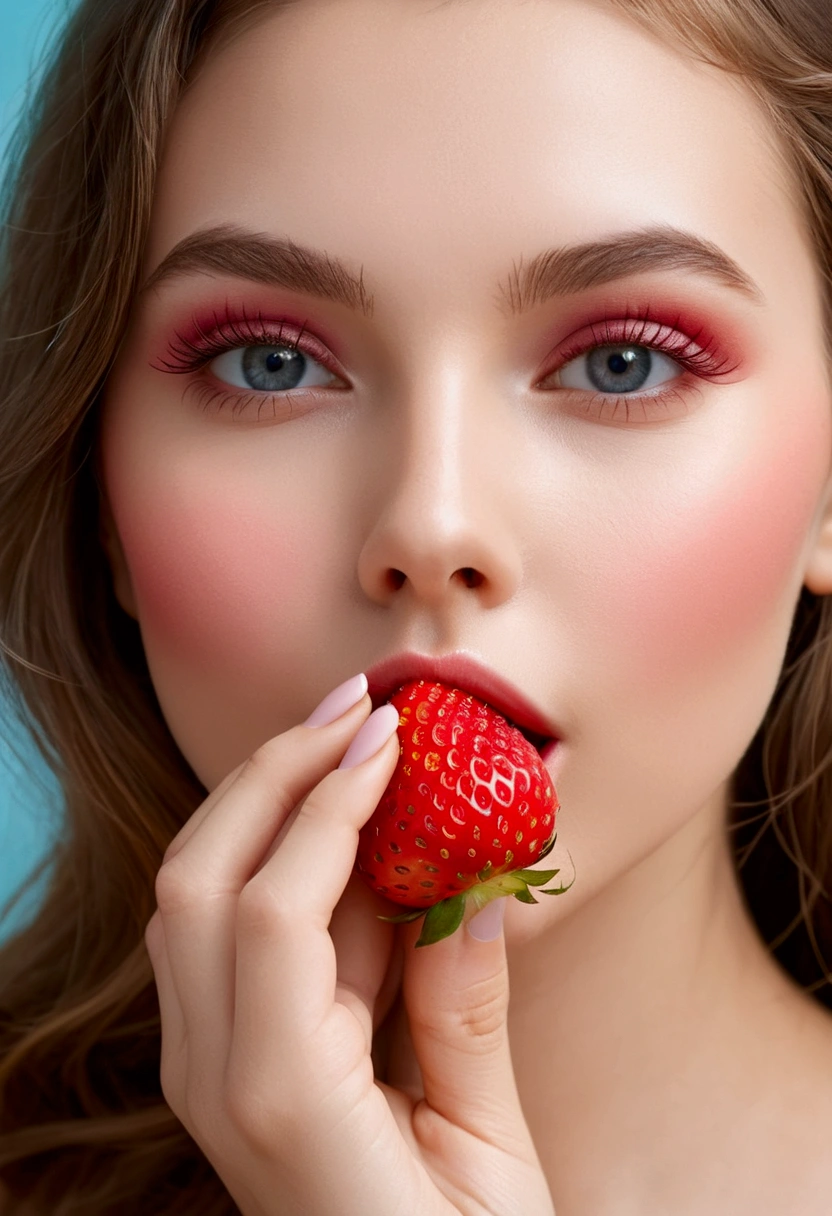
[456,992]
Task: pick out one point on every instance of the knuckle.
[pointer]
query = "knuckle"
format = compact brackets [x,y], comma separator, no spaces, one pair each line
[260,907]
[270,768]
[484,1023]
[261,1122]
[244,1115]
[176,887]
[480,1019]
[311,807]
[179,841]
[265,762]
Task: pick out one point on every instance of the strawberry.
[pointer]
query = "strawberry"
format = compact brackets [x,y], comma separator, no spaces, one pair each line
[470,803]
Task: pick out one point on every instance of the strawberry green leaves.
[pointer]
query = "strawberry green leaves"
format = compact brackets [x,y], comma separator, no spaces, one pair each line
[444,918]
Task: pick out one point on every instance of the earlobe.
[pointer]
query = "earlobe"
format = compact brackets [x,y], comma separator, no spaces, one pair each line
[818,574]
[111,543]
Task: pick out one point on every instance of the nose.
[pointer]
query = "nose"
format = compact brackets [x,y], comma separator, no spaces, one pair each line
[446,501]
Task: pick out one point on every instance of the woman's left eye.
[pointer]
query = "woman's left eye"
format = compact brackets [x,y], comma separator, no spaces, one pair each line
[270,369]
[621,368]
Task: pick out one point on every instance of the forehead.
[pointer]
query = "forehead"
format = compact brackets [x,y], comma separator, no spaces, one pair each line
[467,127]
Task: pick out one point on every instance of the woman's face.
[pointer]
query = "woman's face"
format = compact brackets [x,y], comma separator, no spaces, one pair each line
[640,520]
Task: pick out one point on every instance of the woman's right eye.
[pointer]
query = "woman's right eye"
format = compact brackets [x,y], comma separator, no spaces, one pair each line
[270,369]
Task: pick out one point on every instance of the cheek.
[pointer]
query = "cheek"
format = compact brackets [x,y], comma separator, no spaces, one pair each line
[713,568]
[230,549]
[219,577]
[692,572]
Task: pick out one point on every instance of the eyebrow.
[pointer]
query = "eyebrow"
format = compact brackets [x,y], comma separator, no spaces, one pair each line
[575,268]
[276,261]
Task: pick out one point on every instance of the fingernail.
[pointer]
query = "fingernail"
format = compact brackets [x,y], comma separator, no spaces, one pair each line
[338,701]
[378,728]
[488,922]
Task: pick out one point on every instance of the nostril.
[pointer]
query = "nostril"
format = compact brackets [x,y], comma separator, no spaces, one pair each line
[472,577]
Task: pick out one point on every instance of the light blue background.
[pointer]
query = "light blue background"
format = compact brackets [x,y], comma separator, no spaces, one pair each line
[30,803]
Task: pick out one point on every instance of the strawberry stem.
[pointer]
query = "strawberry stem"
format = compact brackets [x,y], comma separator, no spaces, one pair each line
[445,917]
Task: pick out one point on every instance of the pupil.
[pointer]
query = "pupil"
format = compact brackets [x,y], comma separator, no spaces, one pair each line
[273,369]
[619,369]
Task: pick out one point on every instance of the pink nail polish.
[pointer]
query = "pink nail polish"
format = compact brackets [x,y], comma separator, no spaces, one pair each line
[375,732]
[488,922]
[338,701]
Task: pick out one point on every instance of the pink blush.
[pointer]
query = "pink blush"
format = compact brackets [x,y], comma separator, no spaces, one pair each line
[215,579]
[719,566]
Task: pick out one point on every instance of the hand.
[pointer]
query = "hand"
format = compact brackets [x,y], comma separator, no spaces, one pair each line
[270,964]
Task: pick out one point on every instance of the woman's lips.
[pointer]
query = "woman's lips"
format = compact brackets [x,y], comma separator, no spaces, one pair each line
[462,670]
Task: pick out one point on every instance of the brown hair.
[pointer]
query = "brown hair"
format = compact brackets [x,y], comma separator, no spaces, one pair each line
[83,1124]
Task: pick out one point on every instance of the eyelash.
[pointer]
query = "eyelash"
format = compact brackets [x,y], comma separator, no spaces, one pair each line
[700,359]
[188,354]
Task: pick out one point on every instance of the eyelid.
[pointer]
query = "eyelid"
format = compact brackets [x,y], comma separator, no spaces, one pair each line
[193,347]
[698,353]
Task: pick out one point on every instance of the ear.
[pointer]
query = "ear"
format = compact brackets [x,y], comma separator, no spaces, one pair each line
[818,574]
[111,543]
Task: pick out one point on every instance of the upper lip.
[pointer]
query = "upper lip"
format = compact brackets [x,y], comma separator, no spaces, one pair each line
[459,670]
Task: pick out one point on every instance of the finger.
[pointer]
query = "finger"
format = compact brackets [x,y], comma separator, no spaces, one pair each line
[456,992]
[330,704]
[403,1072]
[286,964]
[198,890]
[257,798]
[172,1066]
[202,812]
[363,947]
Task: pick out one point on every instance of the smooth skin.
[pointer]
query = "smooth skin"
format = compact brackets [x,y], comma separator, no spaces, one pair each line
[632,562]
